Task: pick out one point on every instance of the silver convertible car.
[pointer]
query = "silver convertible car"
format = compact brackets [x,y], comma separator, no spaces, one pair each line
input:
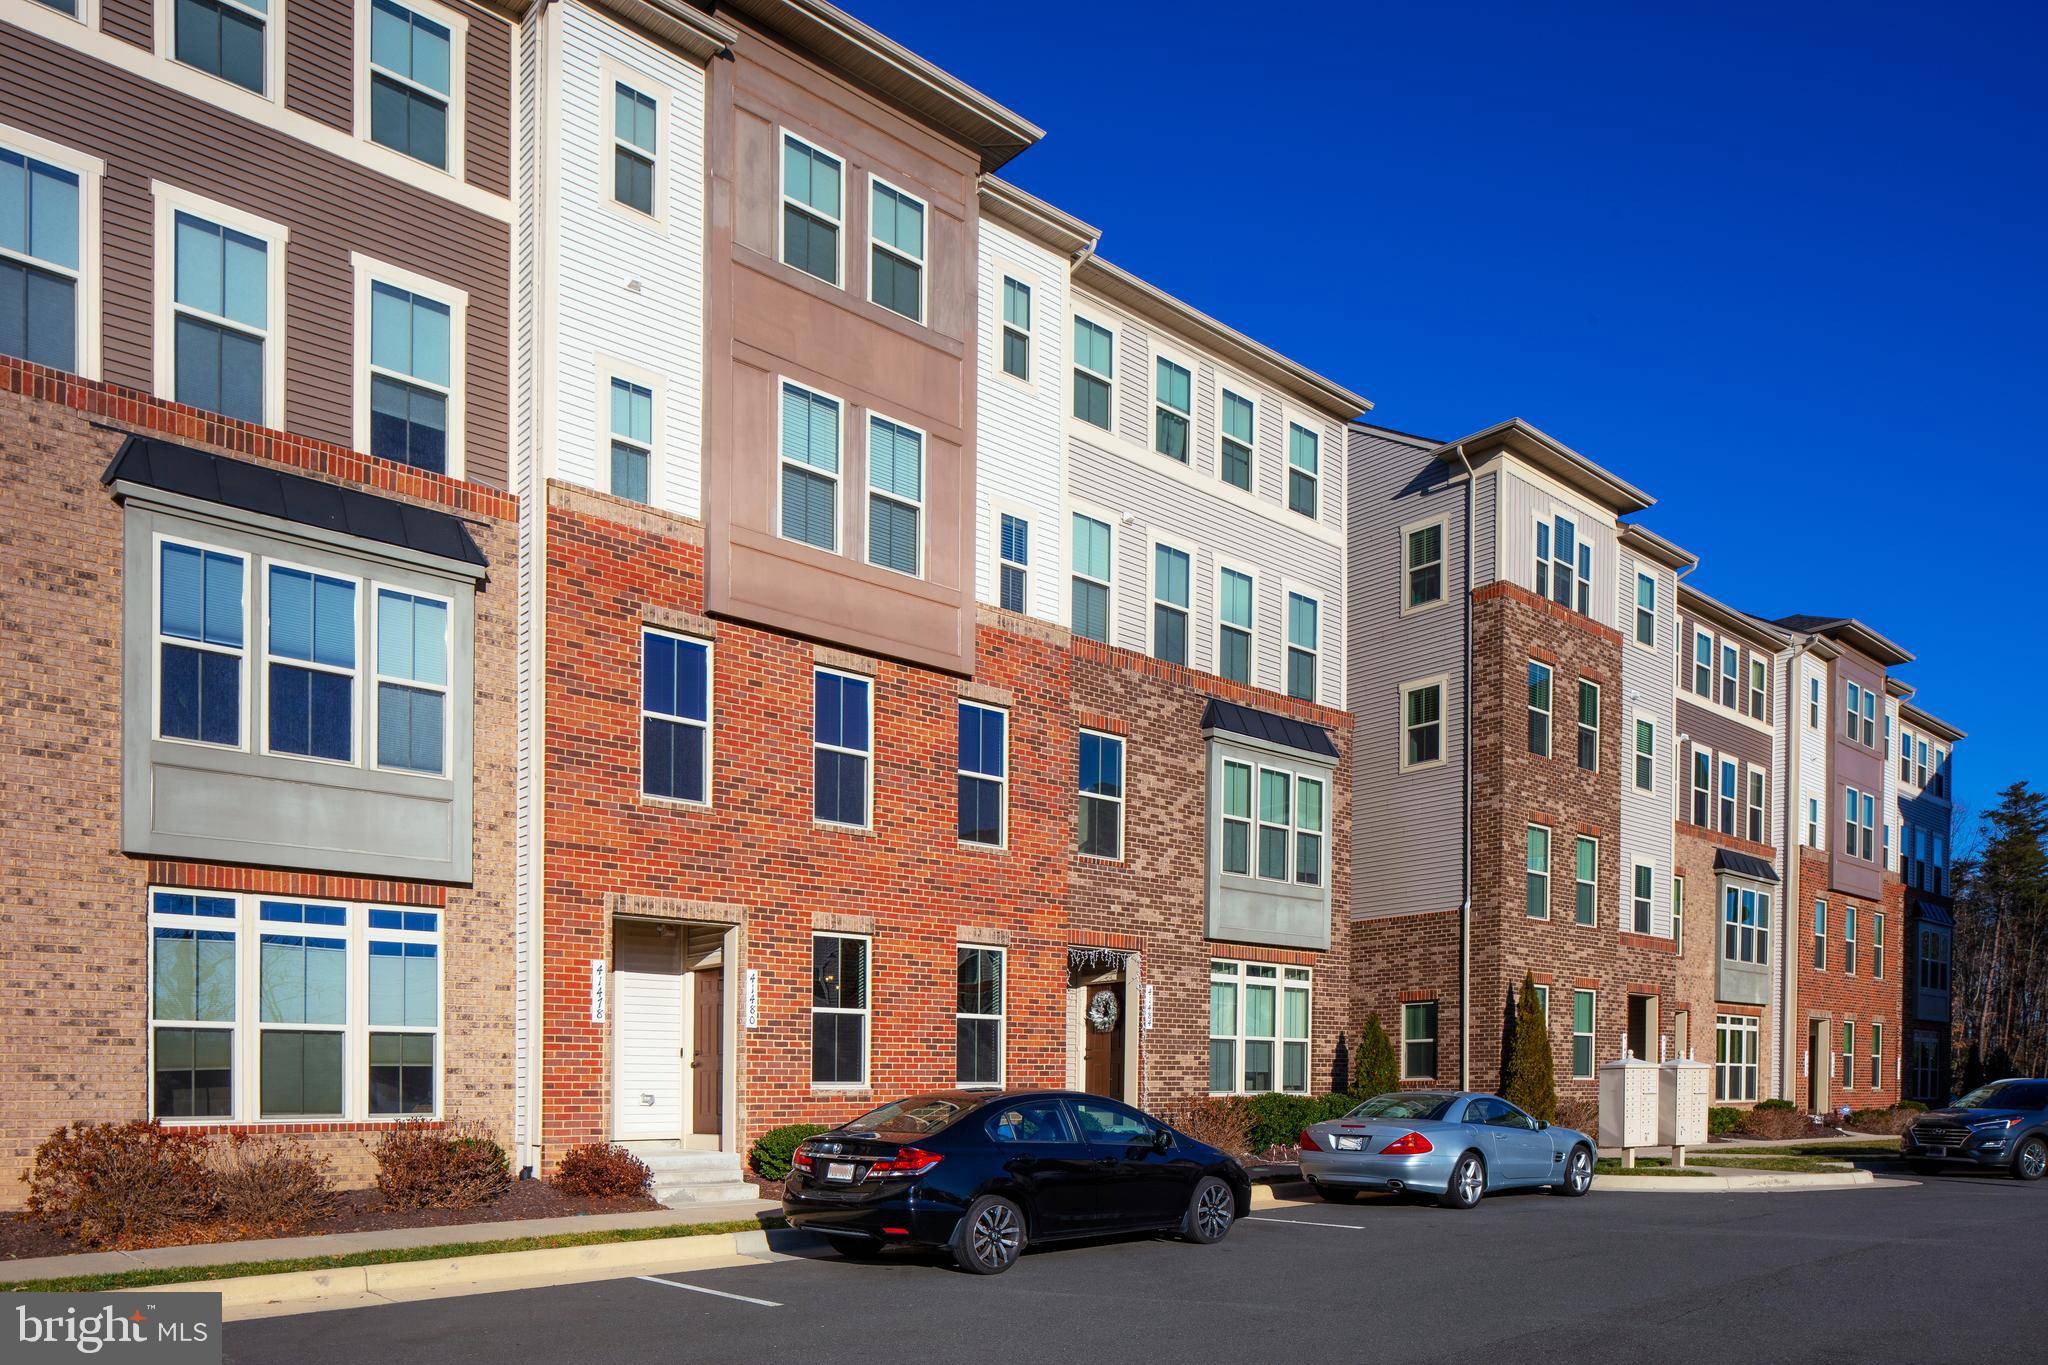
[1456,1145]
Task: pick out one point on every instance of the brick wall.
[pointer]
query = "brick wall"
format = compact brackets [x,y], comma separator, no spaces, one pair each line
[1697,966]
[755,857]
[1154,900]
[74,992]
[1835,996]
[1409,959]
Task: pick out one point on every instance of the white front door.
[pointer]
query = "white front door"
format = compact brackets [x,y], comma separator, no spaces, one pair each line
[647,1037]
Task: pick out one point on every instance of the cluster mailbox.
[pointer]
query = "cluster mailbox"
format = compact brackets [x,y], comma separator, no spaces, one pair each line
[1628,1104]
[1682,1086]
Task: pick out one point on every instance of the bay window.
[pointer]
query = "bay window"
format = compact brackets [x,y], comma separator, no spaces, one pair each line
[311,680]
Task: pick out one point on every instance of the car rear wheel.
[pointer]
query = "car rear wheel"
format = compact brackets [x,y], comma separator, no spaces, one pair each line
[2030,1162]
[990,1236]
[1578,1173]
[1211,1211]
[1468,1183]
[1336,1194]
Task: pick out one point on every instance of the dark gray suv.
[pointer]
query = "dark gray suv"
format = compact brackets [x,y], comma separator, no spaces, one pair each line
[2003,1124]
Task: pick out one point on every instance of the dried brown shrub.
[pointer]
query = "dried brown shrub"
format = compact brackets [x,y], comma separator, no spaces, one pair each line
[600,1170]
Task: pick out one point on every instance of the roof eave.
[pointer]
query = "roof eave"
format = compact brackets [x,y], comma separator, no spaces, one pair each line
[1760,633]
[1555,458]
[1670,554]
[1035,218]
[1926,720]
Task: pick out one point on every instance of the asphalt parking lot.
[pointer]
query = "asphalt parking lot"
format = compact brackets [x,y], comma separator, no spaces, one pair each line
[1949,1270]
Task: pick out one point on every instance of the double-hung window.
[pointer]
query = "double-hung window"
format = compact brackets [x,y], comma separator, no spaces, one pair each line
[1731,665]
[1237,441]
[1646,609]
[1755,828]
[1757,688]
[1726,823]
[978,1016]
[404,954]
[984,774]
[1234,625]
[636,147]
[1644,880]
[1678,913]
[1091,578]
[895,496]
[1589,725]
[839,1010]
[1735,1053]
[1702,788]
[1869,810]
[1170,599]
[1094,371]
[1418,1041]
[1016,329]
[842,745]
[1173,407]
[1813,703]
[1582,1035]
[410,82]
[632,443]
[1876,1056]
[1101,781]
[302,1018]
[1820,936]
[1423,565]
[1013,564]
[1237,818]
[1877,945]
[812,214]
[1852,705]
[1308,831]
[1933,967]
[412,681]
[1539,709]
[224,38]
[1813,822]
[1703,664]
[896,252]
[809,463]
[1276,790]
[1537,901]
[1920,764]
[220,317]
[1905,754]
[675,716]
[1849,940]
[311,689]
[1304,469]
[1303,645]
[201,644]
[1559,562]
[1849,1055]
[1746,926]
[41,284]
[193,1005]
[411,377]
[1585,871]
[1646,755]
[1869,719]
[1422,724]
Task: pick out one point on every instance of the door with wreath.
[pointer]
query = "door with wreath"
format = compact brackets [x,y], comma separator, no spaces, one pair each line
[1103,1021]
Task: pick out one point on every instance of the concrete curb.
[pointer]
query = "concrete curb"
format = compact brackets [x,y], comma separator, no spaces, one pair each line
[1746,1181]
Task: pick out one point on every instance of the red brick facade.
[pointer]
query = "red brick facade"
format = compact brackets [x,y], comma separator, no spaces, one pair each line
[1699,955]
[1833,995]
[74,1008]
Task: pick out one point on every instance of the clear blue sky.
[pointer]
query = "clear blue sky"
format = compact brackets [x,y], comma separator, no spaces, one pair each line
[1784,267]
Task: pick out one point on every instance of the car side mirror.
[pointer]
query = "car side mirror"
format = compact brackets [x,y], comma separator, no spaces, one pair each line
[1541,1124]
[1162,1141]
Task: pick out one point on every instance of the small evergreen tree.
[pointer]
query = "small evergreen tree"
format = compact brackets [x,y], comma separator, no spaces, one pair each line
[1530,1076]
[1375,1072]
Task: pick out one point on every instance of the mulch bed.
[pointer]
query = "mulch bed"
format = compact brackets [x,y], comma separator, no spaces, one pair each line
[364,1211]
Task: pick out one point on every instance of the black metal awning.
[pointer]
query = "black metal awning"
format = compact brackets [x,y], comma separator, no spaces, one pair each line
[1270,727]
[172,468]
[1743,865]
[1932,912]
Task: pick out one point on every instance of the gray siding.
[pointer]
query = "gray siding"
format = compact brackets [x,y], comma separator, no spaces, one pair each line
[1485,523]
[1522,503]
[1646,687]
[1407,829]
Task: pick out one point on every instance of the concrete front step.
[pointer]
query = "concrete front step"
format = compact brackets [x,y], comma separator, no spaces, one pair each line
[691,1176]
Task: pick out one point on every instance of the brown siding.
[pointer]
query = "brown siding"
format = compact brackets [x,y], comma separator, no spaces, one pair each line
[130,19]
[331,207]
[319,61]
[487,92]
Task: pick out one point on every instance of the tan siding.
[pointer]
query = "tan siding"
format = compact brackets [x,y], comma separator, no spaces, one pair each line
[130,19]
[332,208]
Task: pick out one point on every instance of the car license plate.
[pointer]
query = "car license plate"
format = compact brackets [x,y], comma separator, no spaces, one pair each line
[841,1171]
[1935,1151]
[1350,1144]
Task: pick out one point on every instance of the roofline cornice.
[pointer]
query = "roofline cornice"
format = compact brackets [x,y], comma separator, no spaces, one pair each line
[1024,211]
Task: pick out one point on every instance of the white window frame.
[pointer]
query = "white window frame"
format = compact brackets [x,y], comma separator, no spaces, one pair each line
[1116,342]
[457,25]
[1592,884]
[1154,601]
[1849,940]
[783,137]
[170,201]
[1579,721]
[1002,781]
[1123,790]
[1701,814]
[1249,821]
[1756,803]
[1678,911]
[1877,945]
[1432,1038]
[1549,856]
[1736,899]
[866,1012]
[1441,682]
[868,754]
[1703,661]
[1282,980]
[1820,934]
[1006,273]
[1408,566]
[1759,685]
[368,272]
[1288,648]
[1732,1031]
[1315,433]
[1813,822]
[1642,577]
[708,725]
[610,75]
[245,723]
[358,704]
[916,504]
[838,475]
[219,87]
[1249,394]
[1548,712]
[923,263]
[1727,795]
[1592,1038]
[1730,695]
[1159,404]
[1643,757]
[90,170]
[1642,907]
[377,677]
[1251,629]
[998,1018]
[1813,703]
[246,1030]
[997,511]
[610,368]
[1114,523]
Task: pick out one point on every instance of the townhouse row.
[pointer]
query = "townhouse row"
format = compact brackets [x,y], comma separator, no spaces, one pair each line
[656,595]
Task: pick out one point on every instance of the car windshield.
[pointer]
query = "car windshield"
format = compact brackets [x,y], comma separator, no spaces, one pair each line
[917,1117]
[2006,1095]
[1412,1105]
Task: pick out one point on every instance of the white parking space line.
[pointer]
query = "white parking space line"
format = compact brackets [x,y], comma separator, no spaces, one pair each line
[1302,1223]
[700,1289]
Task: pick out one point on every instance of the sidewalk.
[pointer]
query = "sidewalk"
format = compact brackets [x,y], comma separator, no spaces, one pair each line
[1790,1144]
[348,1243]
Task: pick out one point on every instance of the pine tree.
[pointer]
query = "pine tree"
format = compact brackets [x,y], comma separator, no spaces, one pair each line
[1375,1071]
[1530,1078]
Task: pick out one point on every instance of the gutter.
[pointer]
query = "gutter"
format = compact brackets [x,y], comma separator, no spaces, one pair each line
[1465,843]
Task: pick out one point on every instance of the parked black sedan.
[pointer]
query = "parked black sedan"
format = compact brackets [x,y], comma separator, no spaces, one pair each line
[983,1175]
[2003,1124]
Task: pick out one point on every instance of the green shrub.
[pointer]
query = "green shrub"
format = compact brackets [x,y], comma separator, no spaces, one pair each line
[1912,1106]
[1723,1118]
[1766,1106]
[1376,1072]
[770,1154]
[1277,1119]
[1895,1120]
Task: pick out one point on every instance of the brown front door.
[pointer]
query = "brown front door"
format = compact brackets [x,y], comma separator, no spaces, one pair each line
[1105,1052]
[707,1051]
